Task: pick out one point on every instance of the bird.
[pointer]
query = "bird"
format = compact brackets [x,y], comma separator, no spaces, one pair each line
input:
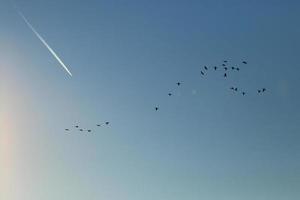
[170,94]
[156,108]
[225,68]
[223,65]
[107,123]
[67,129]
[225,75]
[76,126]
[178,83]
[205,68]
[243,93]
[225,61]
[89,131]
[264,89]
[215,67]
[259,91]
[232,88]
[80,129]
[244,62]
[98,125]
[232,68]
[235,89]
[238,69]
[202,73]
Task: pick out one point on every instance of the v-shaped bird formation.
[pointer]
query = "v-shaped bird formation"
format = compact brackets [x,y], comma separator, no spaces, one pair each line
[86,130]
[226,69]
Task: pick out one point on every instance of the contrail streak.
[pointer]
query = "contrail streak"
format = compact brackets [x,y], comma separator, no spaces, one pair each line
[45,43]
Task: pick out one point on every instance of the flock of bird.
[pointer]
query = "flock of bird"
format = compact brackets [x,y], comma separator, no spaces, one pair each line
[86,130]
[226,69]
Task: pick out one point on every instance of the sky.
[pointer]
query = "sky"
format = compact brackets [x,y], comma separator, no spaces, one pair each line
[205,142]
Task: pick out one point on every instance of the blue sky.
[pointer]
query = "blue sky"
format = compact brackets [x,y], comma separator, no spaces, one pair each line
[125,56]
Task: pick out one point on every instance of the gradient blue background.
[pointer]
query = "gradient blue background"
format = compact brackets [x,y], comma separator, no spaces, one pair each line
[125,56]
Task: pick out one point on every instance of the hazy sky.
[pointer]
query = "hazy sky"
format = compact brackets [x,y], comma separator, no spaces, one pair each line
[125,56]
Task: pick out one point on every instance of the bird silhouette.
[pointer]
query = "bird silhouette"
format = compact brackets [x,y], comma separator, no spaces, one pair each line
[80,129]
[264,89]
[259,91]
[178,83]
[223,65]
[225,75]
[107,123]
[236,89]
[225,61]
[225,68]
[76,126]
[170,94]
[232,88]
[89,131]
[205,68]
[232,68]
[202,73]
[243,93]
[215,67]
[67,129]
[244,62]
[156,108]
[238,69]
[98,125]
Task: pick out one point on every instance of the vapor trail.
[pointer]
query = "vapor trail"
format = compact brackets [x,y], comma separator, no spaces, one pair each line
[45,43]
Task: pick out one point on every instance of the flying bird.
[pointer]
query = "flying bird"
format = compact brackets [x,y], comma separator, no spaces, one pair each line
[238,69]
[225,68]
[244,62]
[156,108]
[215,67]
[223,65]
[236,89]
[107,123]
[80,129]
[76,126]
[264,89]
[232,68]
[225,75]
[202,73]
[243,93]
[178,83]
[45,43]
[170,94]
[259,91]
[225,61]
[98,125]
[89,131]
[205,68]
[67,129]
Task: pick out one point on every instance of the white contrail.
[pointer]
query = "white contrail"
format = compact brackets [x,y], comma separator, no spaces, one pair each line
[45,43]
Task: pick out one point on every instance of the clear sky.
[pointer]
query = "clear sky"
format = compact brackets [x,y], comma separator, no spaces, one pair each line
[125,56]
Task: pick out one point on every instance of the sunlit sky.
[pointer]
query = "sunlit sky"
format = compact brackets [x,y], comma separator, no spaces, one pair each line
[205,142]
